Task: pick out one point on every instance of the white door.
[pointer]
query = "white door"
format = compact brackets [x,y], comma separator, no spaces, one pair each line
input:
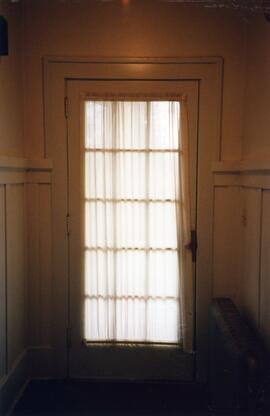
[117,354]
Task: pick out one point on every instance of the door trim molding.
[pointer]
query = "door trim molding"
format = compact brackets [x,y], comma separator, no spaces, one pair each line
[209,73]
[216,60]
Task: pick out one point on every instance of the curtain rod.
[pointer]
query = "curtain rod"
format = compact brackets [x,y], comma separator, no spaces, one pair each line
[133,97]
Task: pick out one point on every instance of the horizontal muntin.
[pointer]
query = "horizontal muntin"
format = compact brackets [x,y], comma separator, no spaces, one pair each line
[97,248]
[131,297]
[112,342]
[127,200]
[123,150]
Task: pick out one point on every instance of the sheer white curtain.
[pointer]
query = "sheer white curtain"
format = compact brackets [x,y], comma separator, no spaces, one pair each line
[135,225]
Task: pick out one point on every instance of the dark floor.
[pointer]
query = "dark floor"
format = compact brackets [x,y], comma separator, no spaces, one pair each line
[51,397]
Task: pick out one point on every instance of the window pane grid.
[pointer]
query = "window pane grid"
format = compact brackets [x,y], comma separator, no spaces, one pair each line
[131,202]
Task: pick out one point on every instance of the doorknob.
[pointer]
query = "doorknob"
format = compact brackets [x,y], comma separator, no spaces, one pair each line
[193,245]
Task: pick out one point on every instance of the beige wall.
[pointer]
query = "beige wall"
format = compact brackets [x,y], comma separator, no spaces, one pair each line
[13,250]
[11,115]
[12,204]
[256,202]
[145,29]
[256,143]
[88,28]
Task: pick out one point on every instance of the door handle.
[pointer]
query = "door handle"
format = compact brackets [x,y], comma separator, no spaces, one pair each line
[193,245]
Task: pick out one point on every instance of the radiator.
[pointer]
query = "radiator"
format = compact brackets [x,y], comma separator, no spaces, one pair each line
[237,362]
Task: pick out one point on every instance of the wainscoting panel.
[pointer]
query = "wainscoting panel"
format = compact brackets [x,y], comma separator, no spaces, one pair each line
[25,274]
[3,328]
[16,279]
[265,269]
[226,242]
[251,221]
[253,178]
[45,262]
[39,263]
[32,192]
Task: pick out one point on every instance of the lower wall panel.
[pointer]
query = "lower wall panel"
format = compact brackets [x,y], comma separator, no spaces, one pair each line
[39,264]
[33,263]
[45,263]
[251,219]
[241,259]
[25,263]
[3,335]
[13,354]
[264,300]
[226,242]
[16,263]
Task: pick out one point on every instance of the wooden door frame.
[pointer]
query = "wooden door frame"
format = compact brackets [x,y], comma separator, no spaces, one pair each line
[118,360]
[209,73]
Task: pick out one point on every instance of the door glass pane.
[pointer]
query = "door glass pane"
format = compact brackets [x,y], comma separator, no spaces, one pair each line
[131,191]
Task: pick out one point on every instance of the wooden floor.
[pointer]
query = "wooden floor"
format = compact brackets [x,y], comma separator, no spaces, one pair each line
[62,397]
[111,398]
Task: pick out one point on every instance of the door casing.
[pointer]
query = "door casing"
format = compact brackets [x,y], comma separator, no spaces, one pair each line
[119,361]
[208,73]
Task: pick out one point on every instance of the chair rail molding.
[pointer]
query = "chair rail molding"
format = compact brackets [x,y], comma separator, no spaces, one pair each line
[23,170]
[243,173]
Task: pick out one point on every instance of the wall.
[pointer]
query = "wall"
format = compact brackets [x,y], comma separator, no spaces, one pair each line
[107,29]
[241,266]
[248,195]
[241,203]
[13,253]
[256,143]
[256,195]
[226,266]
[25,274]
[144,29]
[24,237]
[11,114]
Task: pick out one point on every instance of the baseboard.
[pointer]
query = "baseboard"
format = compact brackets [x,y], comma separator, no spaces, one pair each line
[13,382]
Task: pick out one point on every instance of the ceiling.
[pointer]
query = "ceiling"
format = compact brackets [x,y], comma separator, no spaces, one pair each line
[241,5]
[248,5]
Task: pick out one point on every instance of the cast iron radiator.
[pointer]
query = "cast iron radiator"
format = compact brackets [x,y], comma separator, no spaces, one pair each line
[237,363]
